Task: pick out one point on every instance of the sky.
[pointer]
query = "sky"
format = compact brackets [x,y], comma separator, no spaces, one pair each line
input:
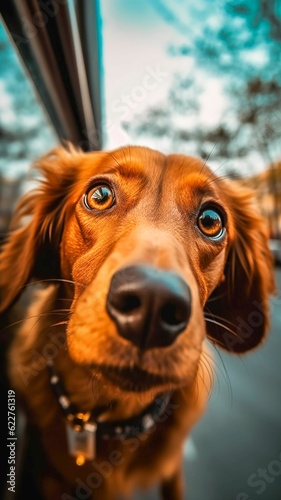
[137,74]
[137,69]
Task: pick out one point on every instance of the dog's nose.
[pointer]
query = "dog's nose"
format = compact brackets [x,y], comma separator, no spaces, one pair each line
[150,307]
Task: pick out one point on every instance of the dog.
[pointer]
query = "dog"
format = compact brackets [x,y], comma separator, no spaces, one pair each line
[141,257]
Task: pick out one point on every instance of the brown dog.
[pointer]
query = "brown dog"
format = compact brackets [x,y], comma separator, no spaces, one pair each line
[143,256]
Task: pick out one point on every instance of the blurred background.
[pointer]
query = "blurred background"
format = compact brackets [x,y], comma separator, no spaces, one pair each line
[201,78]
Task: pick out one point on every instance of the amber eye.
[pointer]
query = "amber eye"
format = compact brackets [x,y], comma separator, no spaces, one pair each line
[210,223]
[100,197]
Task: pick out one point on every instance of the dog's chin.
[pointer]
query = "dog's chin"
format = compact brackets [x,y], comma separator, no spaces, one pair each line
[134,379]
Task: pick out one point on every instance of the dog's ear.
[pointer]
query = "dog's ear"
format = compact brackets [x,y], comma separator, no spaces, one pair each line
[32,251]
[237,313]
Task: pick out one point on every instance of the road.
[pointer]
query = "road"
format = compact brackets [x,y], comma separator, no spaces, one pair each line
[235,451]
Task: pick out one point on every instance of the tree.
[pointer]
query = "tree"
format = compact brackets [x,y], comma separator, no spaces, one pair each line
[239,43]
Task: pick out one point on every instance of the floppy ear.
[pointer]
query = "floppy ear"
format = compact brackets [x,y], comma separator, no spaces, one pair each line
[32,251]
[237,312]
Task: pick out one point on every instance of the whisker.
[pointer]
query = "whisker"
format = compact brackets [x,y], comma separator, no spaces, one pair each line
[35,316]
[54,281]
[235,334]
[218,323]
[218,178]
[64,299]
[216,297]
[215,316]
[209,370]
[224,372]
[59,323]
[208,156]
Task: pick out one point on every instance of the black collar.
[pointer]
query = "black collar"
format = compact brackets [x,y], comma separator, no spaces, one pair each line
[119,429]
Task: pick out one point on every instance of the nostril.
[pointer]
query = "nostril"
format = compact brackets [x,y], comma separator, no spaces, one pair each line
[127,303]
[173,314]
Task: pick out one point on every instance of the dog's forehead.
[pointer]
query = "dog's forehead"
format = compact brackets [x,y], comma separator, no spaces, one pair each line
[186,173]
[141,162]
[133,162]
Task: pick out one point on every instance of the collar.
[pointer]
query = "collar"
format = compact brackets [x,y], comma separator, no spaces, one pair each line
[84,428]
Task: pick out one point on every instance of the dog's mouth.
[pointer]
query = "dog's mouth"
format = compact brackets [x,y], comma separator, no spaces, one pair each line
[133,379]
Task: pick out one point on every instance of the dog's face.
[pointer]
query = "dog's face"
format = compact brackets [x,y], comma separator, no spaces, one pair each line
[161,253]
[143,227]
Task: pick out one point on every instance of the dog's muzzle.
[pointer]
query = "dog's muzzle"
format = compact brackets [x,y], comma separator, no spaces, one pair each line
[150,307]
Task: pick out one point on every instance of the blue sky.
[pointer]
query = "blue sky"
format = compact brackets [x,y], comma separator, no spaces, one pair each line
[138,73]
[136,36]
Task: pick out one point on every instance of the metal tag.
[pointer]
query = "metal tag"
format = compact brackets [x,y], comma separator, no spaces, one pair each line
[82,442]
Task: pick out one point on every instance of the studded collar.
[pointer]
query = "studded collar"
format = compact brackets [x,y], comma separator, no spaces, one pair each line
[79,422]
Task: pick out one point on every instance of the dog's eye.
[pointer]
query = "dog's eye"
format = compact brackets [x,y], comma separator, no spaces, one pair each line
[210,223]
[99,197]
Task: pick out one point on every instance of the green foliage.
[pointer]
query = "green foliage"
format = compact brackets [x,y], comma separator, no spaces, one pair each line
[239,42]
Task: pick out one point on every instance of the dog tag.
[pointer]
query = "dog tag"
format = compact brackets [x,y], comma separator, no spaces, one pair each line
[82,443]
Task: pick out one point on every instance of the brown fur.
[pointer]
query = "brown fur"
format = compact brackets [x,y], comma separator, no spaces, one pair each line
[77,252]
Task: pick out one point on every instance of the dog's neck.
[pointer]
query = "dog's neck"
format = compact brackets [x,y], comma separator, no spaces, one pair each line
[88,390]
[129,427]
